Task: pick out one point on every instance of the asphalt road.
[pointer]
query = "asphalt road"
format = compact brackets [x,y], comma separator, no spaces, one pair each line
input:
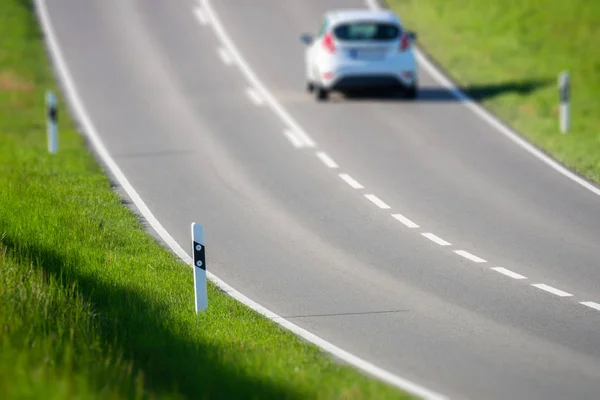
[284,229]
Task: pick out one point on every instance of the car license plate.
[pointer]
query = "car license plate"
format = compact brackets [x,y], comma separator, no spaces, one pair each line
[365,54]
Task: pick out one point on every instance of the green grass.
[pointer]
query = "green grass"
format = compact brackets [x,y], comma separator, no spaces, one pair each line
[91,305]
[509,54]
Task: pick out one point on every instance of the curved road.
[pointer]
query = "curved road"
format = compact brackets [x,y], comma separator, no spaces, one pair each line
[503,320]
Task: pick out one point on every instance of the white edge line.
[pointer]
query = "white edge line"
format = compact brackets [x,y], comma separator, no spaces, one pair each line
[292,137]
[551,289]
[328,161]
[351,181]
[201,15]
[508,273]
[405,221]
[493,120]
[247,71]
[90,131]
[591,304]
[225,56]
[436,239]
[255,97]
[470,256]
[377,201]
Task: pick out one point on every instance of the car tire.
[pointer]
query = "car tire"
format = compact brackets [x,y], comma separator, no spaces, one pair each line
[321,94]
[412,92]
[310,87]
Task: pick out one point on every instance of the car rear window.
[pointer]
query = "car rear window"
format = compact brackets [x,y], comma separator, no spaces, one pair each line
[357,31]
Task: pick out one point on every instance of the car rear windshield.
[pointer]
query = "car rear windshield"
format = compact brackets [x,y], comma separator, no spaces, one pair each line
[359,31]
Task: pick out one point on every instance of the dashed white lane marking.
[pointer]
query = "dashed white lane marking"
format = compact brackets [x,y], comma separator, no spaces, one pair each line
[328,161]
[255,97]
[405,221]
[292,137]
[225,56]
[469,256]
[377,201]
[591,304]
[351,181]
[436,239]
[509,273]
[550,289]
[201,15]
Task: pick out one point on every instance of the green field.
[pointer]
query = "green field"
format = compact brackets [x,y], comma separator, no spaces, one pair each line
[91,305]
[508,54]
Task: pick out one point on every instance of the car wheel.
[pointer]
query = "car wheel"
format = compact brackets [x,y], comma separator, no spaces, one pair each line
[310,87]
[322,94]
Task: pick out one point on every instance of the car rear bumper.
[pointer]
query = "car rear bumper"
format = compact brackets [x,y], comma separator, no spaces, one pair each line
[335,74]
[360,82]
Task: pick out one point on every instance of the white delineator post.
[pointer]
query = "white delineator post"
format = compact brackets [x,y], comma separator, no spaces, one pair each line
[199,260]
[52,108]
[564,90]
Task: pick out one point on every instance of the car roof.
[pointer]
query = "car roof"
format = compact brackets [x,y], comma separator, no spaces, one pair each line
[349,15]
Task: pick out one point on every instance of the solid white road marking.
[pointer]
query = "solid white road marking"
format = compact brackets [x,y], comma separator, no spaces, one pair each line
[247,71]
[224,54]
[255,97]
[591,304]
[550,289]
[350,181]
[405,221]
[469,256]
[509,273]
[436,239]
[202,18]
[292,137]
[377,201]
[328,161]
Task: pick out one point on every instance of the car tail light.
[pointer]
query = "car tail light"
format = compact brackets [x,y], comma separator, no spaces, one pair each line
[328,43]
[404,43]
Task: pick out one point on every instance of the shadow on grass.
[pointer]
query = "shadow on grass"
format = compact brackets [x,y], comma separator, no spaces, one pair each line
[441,94]
[172,365]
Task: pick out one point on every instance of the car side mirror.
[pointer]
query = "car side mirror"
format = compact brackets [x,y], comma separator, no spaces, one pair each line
[412,36]
[306,39]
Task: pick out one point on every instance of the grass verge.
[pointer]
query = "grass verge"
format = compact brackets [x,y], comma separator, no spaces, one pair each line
[508,55]
[91,305]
